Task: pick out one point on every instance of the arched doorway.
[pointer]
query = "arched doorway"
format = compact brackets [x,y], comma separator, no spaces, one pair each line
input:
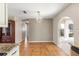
[66,34]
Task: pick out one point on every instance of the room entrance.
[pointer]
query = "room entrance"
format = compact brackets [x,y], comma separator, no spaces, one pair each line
[66,34]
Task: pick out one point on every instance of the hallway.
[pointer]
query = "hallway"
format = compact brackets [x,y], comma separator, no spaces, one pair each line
[42,49]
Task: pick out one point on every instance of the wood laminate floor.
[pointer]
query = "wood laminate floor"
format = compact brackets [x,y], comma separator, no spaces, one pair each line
[42,49]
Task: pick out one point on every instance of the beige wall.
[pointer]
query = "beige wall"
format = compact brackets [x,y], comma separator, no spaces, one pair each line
[39,32]
[73,12]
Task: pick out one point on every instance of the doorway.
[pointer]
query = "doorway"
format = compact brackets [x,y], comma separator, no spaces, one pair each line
[25,32]
[66,34]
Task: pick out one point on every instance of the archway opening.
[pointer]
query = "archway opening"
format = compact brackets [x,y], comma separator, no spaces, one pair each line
[66,34]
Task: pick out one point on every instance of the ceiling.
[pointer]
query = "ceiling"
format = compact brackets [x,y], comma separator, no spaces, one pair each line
[46,9]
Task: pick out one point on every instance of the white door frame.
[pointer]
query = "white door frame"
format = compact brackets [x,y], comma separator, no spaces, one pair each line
[62,19]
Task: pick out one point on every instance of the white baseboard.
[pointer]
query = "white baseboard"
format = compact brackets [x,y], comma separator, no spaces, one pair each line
[54,42]
[38,41]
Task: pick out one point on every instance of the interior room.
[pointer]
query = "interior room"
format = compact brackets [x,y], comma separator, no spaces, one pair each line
[39,29]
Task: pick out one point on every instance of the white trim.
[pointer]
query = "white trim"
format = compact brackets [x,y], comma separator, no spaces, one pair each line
[39,41]
[54,42]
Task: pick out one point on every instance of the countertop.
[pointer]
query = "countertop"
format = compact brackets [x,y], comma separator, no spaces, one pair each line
[5,48]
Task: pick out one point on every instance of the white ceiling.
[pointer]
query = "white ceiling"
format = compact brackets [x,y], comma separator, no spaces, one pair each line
[46,9]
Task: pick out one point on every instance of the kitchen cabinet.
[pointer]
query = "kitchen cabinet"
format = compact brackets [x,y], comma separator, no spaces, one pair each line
[3,15]
[7,35]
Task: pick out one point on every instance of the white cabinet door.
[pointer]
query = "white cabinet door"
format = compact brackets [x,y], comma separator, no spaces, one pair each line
[3,15]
